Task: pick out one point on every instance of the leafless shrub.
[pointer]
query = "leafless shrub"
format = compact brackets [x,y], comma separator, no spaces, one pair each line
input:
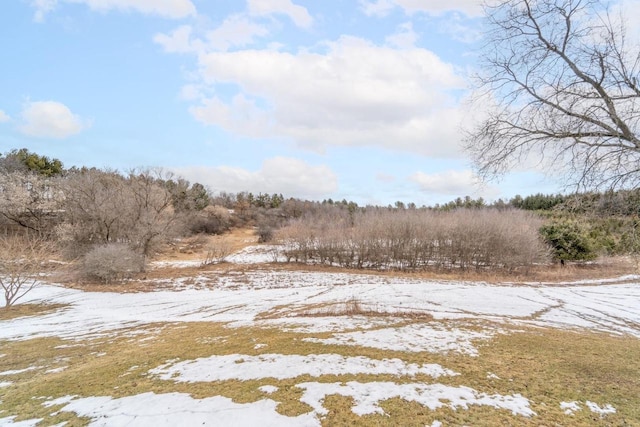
[217,253]
[211,220]
[264,233]
[413,240]
[22,258]
[112,262]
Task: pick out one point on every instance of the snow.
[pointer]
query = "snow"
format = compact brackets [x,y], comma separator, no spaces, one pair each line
[176,264]
[572,407]
[169,409]
[367,396]
[8,421]
[268,389]
[602,410]
[466,315]
[240,297]
[20,371]
[258,254]
[245,367]
[172,409]
[59,401]
[414,338]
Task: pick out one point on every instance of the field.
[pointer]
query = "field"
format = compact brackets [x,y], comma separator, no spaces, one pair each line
[251,342]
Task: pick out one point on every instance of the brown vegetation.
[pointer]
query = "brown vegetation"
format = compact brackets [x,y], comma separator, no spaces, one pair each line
[416,240]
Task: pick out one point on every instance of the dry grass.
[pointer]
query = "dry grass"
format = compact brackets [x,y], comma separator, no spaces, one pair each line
[24,310]
[195,248]
[354,307]
[545,366]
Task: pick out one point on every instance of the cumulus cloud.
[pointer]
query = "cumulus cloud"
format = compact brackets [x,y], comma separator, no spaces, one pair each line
[354,93]
[236,30]
[173,9]
[378,8]
[404,37]
[50,119]
[471,8]
[451,182]
[298,14]
[42,7]
[292,177]
[460,29]
[4,117]
[177,41]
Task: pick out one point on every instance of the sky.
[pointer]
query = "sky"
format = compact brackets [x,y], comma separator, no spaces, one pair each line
[363,100]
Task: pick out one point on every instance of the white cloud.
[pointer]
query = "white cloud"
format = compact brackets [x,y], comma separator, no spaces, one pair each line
[432,7]
[378,8]
[50,119]
[452,182]
[42,7]
[460,29]
[291,177]
[4,117]
[174,9]
[629,10]
[404,37]
[236,30]
[298,14]
[354,94]
[438,7]
[178,41]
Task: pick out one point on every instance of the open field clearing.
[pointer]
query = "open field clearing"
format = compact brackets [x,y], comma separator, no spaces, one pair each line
[248,343]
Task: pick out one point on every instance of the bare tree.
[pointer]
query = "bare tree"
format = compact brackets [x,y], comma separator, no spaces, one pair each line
[21,260]
[105,207]
[30,201]
[563,81]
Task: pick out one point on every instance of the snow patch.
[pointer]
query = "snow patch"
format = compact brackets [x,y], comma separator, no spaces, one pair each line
[8,421]
[572,407]
[55,370]
[245,367]
[259,254]
[602,410]
[367,396]
[268,389]
[173,409]
[59,401]
[414,338]
[20,371]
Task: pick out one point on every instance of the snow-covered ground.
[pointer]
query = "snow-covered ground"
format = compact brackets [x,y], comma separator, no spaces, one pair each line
[464,313]
[240,298]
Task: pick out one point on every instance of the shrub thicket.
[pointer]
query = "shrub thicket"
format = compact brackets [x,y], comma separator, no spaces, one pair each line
[416,239]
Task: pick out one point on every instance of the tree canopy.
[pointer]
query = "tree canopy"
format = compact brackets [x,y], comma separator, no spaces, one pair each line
[561,77]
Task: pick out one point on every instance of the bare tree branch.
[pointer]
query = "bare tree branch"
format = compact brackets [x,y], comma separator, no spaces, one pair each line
[564,82]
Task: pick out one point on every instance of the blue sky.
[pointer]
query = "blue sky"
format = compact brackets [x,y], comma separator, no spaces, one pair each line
[360,100]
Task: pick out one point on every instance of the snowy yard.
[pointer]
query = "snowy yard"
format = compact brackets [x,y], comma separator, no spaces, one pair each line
[370,360]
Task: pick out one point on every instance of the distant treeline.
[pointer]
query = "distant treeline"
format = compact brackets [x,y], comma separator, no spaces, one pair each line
[83,210]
